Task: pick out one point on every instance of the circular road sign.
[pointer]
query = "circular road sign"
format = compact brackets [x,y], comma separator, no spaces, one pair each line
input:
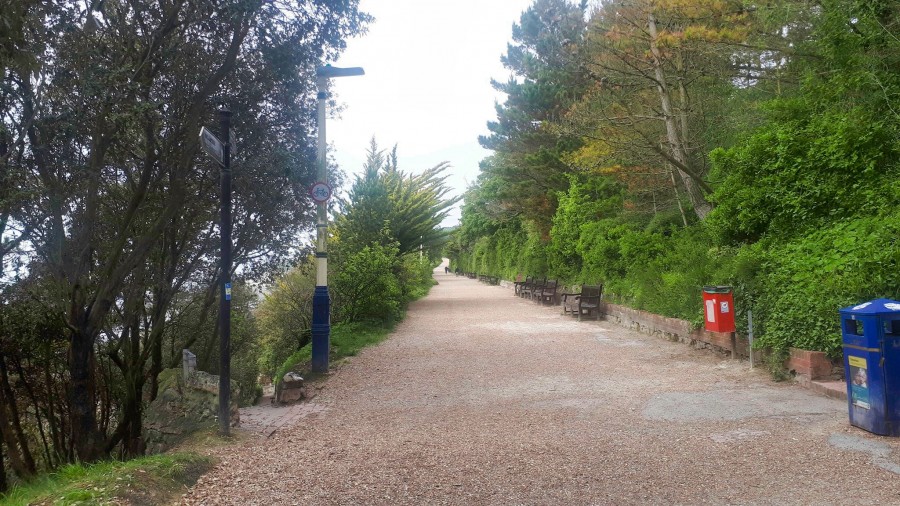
[320,192]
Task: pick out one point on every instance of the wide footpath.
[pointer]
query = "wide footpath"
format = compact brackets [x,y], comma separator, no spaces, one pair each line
[480,397]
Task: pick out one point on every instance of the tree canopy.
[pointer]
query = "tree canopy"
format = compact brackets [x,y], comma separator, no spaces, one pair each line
[108,210]
[658,146]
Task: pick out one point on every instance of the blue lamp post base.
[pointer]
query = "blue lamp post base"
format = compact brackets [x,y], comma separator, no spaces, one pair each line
[321,329]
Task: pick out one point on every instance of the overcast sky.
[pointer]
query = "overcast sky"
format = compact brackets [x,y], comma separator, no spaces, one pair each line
[427,86]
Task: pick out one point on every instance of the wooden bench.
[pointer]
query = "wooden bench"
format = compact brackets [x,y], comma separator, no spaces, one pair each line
[519,284]
[583,302]
[529,289]
[547,292]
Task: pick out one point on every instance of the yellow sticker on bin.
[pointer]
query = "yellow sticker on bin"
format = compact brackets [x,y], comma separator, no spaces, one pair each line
[857,362]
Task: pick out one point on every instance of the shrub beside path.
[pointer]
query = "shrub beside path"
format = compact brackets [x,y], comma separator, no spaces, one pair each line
[479,397]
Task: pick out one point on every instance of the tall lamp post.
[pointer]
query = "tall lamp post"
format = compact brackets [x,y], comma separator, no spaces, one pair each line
[321,317]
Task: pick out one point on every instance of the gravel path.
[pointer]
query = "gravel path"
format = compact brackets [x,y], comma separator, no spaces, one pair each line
[483,398]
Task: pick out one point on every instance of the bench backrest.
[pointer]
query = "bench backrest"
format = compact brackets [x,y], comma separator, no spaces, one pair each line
[591,291]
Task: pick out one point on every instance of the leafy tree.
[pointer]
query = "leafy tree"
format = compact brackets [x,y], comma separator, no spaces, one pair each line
[780,114]
[375,270]
[828,151]
[652,62]
[101,108]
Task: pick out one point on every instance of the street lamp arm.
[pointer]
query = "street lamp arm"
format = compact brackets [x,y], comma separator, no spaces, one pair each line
[328,71]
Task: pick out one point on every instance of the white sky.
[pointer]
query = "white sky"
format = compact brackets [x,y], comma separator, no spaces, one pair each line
[427,86]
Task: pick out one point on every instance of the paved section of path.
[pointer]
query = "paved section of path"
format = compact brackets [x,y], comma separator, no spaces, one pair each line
[483,398]
[266,420]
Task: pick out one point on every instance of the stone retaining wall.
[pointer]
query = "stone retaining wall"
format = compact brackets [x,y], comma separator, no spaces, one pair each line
[675,329]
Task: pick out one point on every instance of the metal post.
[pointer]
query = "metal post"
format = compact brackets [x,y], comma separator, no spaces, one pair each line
[750,334]
[225,294]
[321,303]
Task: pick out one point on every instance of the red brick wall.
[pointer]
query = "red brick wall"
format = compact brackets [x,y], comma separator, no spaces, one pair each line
[812,364]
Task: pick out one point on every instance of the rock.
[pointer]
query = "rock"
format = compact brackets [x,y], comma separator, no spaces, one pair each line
[292,377]
[184,407]
[206,382]
[290,389]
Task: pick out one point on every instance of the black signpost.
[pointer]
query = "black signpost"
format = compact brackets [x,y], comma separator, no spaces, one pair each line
[221,152]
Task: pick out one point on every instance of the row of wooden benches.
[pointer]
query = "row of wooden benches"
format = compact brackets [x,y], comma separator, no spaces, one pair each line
[585,301]
[491,280]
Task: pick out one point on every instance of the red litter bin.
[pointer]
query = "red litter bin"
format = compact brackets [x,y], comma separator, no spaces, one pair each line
[718,307]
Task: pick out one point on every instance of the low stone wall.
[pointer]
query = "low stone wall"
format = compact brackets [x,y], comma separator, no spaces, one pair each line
[675,329]
[805,364]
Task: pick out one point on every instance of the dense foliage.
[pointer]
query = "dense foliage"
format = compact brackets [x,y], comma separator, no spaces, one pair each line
[384,244]
[109,213]
[700,142]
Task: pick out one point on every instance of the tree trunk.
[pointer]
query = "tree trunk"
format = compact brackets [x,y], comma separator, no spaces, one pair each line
[676,144]
[134,445]
[37,410]
[86,436]
[130,427]
[4,486]
[12,427]
[16,460]
[57,432]
[678,197]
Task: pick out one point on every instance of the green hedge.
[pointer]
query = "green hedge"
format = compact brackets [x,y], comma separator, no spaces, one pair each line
[794,287]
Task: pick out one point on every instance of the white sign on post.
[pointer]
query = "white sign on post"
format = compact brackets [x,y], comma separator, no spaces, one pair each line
[212,145]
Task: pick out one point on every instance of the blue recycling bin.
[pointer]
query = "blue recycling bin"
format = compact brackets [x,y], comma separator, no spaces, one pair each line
[871,342]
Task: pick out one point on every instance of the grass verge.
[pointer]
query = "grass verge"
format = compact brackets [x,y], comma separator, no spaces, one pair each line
[347,339]
[157,479]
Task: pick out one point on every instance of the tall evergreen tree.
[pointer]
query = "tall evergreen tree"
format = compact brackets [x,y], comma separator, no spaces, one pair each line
[389,206]
[545,80]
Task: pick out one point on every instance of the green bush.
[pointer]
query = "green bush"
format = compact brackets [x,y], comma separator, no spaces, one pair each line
[366,285]
[601,254]
[586,201]
[807,167]
[666,274]
[415,277]
[806,281]
[511,250]
[284,317]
